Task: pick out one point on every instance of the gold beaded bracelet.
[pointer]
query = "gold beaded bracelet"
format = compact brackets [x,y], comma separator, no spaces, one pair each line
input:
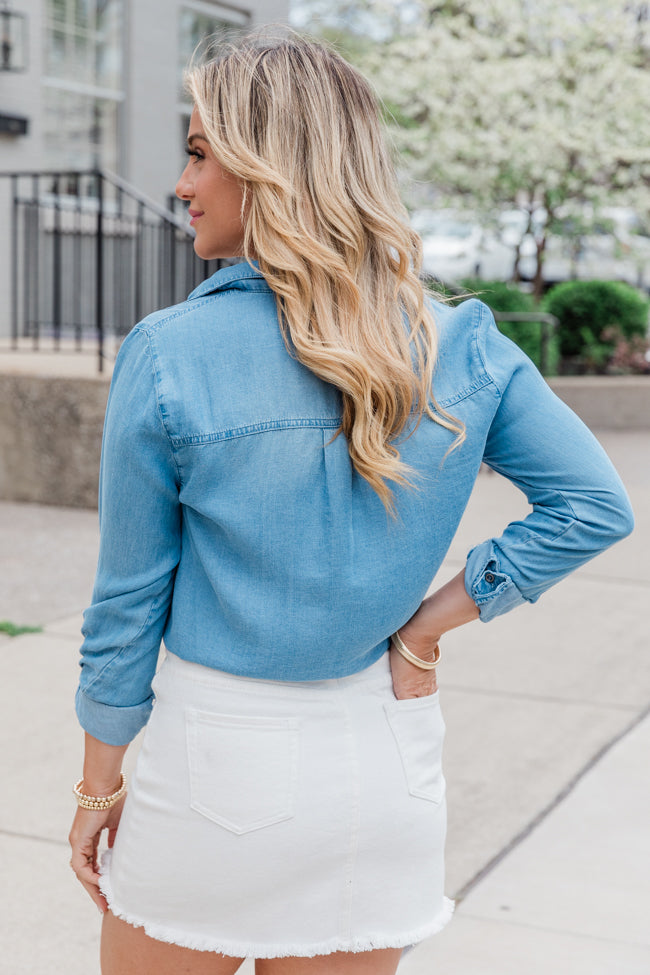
[99,803]
[401,647]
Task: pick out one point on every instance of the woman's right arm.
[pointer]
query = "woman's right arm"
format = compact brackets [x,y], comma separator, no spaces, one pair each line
[101,777]
[140,545]
[139,550]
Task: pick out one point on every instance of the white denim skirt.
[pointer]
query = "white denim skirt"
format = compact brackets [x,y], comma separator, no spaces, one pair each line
[268,819]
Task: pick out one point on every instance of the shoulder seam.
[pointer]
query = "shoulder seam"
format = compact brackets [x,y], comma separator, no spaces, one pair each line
[159,406]
[485,320]
[157,319]
[481,376]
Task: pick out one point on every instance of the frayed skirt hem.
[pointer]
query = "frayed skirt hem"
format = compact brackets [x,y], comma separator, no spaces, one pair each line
[240,949]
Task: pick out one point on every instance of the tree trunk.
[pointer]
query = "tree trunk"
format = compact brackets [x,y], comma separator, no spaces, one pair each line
[538,280]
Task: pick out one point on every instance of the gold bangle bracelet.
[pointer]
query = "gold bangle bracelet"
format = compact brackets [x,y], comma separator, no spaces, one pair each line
[400,646]
[99,803]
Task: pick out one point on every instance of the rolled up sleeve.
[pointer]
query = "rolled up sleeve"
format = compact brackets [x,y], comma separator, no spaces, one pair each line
[579,505]
[140,526]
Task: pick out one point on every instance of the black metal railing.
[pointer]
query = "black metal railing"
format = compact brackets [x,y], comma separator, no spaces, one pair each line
[91,255]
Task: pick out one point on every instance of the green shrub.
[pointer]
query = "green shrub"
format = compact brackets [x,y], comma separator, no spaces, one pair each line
[586,310]
[499,296]
[12,629]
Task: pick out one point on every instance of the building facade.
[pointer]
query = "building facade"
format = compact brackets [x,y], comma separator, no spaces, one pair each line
[101,83]
[98,83]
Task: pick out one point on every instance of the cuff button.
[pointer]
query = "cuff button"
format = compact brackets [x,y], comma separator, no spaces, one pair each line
[489,577]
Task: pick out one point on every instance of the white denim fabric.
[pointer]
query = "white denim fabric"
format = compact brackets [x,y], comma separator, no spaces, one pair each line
[268,819]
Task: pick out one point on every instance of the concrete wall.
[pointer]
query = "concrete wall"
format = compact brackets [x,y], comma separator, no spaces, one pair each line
[607,402]
[50,439]
[51,429]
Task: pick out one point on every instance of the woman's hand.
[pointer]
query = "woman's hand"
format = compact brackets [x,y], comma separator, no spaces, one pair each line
[101,777]
[409,680]
[84,837]
[448,607]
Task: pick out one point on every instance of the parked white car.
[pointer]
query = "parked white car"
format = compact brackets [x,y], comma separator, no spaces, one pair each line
[456,246]
[608,247]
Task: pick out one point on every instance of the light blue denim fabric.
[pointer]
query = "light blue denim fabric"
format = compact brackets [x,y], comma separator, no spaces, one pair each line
[234,527]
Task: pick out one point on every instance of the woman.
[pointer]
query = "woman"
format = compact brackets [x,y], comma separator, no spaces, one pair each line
[286,458]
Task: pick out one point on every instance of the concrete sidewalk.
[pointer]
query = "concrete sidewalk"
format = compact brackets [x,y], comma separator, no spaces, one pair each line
[548,736]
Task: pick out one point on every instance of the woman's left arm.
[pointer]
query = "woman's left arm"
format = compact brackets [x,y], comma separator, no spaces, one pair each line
[579,508]
[579,505]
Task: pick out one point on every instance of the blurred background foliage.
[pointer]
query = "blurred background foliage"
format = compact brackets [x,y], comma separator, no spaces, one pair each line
[533,120]
[602,327]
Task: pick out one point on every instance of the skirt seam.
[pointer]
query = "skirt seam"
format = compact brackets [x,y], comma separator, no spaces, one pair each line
[345,923]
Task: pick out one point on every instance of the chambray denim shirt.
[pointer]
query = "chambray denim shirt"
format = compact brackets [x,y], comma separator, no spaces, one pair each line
[234,527]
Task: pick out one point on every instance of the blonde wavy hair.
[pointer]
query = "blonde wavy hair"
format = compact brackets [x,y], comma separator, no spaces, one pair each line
[300,128]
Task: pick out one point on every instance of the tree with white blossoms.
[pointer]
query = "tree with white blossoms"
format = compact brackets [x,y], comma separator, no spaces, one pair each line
[517,103]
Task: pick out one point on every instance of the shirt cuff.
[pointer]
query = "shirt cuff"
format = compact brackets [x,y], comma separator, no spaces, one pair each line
[492,590]
[110,724]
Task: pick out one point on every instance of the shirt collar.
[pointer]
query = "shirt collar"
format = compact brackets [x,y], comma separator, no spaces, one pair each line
[240,277]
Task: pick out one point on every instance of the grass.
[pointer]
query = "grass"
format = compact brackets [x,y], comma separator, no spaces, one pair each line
[11,629]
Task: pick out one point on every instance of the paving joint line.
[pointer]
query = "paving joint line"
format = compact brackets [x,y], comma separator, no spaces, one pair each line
[582,935]
[615,580]
[15,835]
[538,698]
[564,792]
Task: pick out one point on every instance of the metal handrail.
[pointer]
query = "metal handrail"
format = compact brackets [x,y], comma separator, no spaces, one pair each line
[121,184]
[110,177]
[91,251]
[527,316]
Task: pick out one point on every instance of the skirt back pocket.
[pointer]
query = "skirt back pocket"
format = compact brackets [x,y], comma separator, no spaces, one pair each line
[419,730]
[243,769]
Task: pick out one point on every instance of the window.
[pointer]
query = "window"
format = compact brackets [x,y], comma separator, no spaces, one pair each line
[83,83]
[198,21]
[80,130]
